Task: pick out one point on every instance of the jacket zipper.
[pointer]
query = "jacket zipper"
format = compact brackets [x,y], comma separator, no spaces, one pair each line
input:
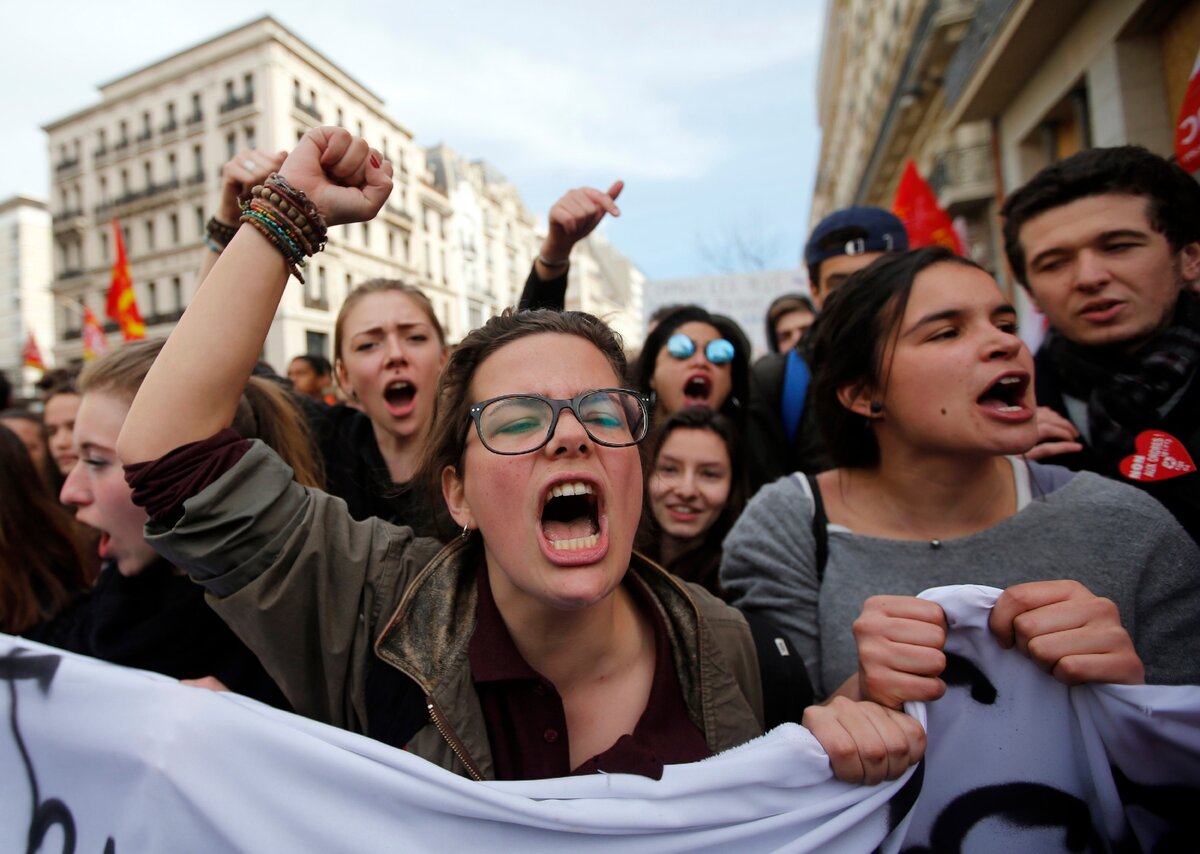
[452,740]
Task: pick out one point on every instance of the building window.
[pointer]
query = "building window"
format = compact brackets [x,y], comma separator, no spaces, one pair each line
[200,221]
[103,190]
[341,119]
[250,142]
[172,168]
[173,228]
[150,235]
[125,238]
[197,113]
[248,86]
[177,293]
[151,301]
[124,182]
[230,145]
[316,343]
[148,174]
[366,230]
[391,243]
[104,244]
[360,129]
[229,96]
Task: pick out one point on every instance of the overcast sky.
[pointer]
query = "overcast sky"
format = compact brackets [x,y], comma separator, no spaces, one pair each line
[705,108]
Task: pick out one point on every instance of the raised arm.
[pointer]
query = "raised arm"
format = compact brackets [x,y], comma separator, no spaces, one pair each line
[572,218]
[193,388]
[242,173]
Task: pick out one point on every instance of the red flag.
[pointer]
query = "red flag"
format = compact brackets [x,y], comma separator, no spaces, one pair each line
[122,302]
[917,206]
[32,355]
[95,342]
[1187,129]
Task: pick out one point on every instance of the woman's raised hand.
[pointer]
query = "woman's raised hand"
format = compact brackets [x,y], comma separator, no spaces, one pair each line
[240,174]
[345,178]
[900,658]
[1068,631]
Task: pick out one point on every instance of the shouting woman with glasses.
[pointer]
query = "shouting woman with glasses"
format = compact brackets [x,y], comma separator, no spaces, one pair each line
[541,644]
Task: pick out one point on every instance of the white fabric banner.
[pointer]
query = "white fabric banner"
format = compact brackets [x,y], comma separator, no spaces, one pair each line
[95,757]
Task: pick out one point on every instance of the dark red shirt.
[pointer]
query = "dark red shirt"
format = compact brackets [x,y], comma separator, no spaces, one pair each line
[526,723]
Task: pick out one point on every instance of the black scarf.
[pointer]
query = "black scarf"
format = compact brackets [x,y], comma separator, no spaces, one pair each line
[1126,393]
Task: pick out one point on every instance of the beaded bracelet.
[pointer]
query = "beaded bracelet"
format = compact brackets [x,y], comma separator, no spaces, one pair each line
[219,233]
[287,219]
[278,237]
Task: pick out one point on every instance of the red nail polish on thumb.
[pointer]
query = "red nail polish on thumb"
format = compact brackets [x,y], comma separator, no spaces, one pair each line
[375,160]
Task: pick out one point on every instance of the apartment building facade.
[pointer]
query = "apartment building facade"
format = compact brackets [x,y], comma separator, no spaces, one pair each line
[26,305]
[149,155]
[984,93]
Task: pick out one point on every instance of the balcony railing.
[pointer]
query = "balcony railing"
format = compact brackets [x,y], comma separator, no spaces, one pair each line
[964,174]
[235,102]
[169,127]
[313,301]
[121,144]
[137,196]
[144,136]
[195,178]
[196,117]
[67,215]
[309,109]
[67,164]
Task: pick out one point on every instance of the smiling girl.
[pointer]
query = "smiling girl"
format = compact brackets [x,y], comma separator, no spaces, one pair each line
[925,396]
[695,490]
[542,646]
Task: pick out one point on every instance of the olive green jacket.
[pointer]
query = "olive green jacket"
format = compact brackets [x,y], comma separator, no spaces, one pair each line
[315,594]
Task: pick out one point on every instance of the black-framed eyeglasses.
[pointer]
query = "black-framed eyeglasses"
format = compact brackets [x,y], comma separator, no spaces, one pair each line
[523,423]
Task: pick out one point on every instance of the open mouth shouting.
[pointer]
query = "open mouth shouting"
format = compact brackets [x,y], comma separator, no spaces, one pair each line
[697,390]
[1006,398]
[573,529]
[400,398]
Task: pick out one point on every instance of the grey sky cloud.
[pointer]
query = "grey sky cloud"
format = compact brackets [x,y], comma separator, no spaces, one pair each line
[678,98]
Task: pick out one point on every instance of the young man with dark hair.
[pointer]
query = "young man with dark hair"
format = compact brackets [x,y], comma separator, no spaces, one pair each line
[789,317]
[1107,244]
[783,436]
[311,375]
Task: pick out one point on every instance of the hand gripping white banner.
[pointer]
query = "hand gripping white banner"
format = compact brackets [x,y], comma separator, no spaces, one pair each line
[100,758]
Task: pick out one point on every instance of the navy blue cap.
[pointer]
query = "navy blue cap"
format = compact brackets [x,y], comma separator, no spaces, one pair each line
[870,230]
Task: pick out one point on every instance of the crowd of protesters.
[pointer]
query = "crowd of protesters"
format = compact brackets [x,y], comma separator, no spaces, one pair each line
[460,549]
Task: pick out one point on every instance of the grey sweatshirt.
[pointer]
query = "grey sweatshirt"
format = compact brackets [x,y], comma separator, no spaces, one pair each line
[1112,538]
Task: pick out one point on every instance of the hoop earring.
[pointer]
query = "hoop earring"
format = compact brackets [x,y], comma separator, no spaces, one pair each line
[466,534]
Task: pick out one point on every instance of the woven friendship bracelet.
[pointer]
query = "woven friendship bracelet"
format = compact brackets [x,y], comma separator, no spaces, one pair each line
[278,237]
[286,218]
[298,236]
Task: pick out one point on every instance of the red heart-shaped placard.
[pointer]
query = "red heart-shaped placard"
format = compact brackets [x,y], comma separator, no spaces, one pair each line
[1160,456]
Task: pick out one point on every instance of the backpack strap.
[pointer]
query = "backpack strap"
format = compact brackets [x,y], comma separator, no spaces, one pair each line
[795,391]
[819,526]
[786,688]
